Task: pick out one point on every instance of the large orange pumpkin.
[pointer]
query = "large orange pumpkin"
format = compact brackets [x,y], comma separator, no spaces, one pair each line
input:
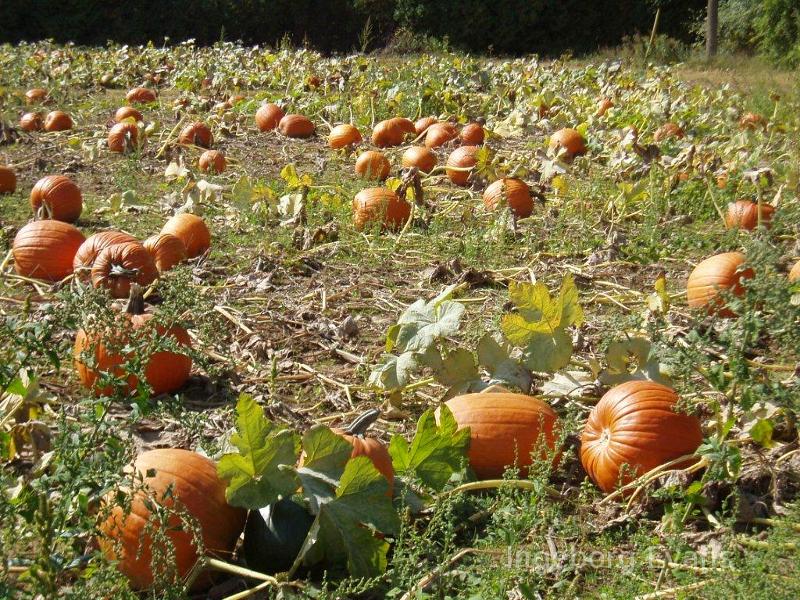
[472,135]
[344,135]
[192,231]
[57,197]
[196,134]
[296,126]
[380,205]
[32,121]
[421,157]
[570,140]
[212,161]
[668,130]
[746,214]
[268,116]
[794,274]
[165,371]
[35,95]
[166,250]
[422,124]
[460,164]
[123,137]
[45,249]
[391,132]
[84,259]
[511,192]
[373,449]
[719,272]
[8,180]
[127,112]
[140,95]
[117,267]
[194,487]
[372,165]
[635,424]
[439,134]
[505,430]
[57,120]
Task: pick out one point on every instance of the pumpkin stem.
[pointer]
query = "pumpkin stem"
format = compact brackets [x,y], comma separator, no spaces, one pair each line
[360,425]
[120,271]
[135,305]
[45,211]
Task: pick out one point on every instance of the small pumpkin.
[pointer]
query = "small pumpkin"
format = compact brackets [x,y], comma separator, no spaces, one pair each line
[140,95]
[380,205]
[472,134]
[296,126]
[746,214]
[123,137]
[568,140]
[794,274]
[344,135]
[635,424]
[35,95]
[373,449]
[720,272]
[166,250]
[32,121]
[8,180]
[45,249]
[667,131]
[505,429]
[439,134]
[212,161]
[57,197]
[127,112]
[752,121]
[603,106]
[192,231]
[117,267]
[422,124]
[57,120]
[188,482]
[511,192]
[420,157]
[196,134]
[391,132]
[85,256]
[268,116]
[372,165]
[460,164]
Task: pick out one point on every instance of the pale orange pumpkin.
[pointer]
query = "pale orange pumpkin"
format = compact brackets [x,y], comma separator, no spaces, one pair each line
[45,249]
[439,134]
[372,165]
[511,192]
[140,95]
[117,267]
[166,250]
[422,124]
[720,272]
[751,121]
[391,132]
[32,121]
[35,95]
[8,180]
[57,197]
[212,161]
[667,131]
[127,112]
[603,106]
[375,450]
[344,135]
[570,141]
[197,134]
[461,163]
[794,274]
[420,157]
[123,137]
[472,134]
[296,126]
[85,256]
[192,231]
[746,214]
[380,205]
[268,116]
[57,120]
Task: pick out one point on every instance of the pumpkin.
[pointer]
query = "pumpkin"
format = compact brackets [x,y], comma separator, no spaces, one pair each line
[85,256]
[140,95]
[461,158]
[667,131]
[196,134]
[57,120]
[165,371]
[166,250]
[372,165]
[57,197]
[234,100]
[422,124]
[472,135]
[344,135]
[212,161]
[719,272]
[439,134]
[635,424]
[194,487]
[751,121]
[192,231]
[794,274]
[505,429]
[45,249]
[127,112]
[31,121]
[603,106]
[745,214]
[8,180]
[35,95]
[391,132]
[380,205]
[117,267]
[123,137]
[511,192]
[373,449]
[274,535]
[569,141]
[420,157]
[296,126]
[268,116]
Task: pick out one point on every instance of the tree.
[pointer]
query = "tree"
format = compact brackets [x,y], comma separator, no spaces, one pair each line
[712,28]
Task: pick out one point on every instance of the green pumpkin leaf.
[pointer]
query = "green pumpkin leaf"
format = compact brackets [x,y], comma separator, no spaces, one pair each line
[761,433]
[425,322]
[393,372]
[459,373]
[495,357]
[630,360]
[326,455]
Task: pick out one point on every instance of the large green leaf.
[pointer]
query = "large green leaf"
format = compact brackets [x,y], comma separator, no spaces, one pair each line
[495,357]
[324,460]
[425,322]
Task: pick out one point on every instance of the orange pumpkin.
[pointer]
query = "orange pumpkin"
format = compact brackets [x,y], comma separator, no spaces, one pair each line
[372,165]
[570,141]
[344,135]
[45,249]
[391,132]
[511,192]
[57,197]
[194,487]
[212,161]
[380,205]
[31,122]
[165,372]
[123,137]
[719,272]
[751,121]
[472,135]
[8,180]
[439,134]
[667,131]
[296,126]
[603,107]
[460,164]
[196,134]
[127,112]
[373,449]
[505,429]
[85,256]
[166,250]
[192,231]
[117,267]
[141,95]
[268,116]
[35,95]
[422,124]
[421,157]
[635,424]
[745,214]
[57,120]
[794,274]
